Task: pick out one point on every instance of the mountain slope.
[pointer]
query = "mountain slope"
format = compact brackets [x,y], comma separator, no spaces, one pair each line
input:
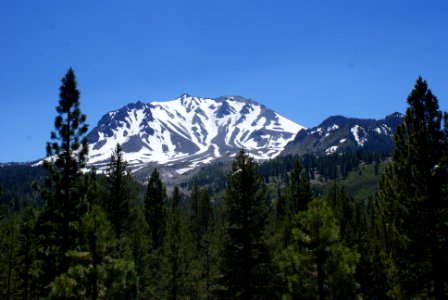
[339,134]
[190,131]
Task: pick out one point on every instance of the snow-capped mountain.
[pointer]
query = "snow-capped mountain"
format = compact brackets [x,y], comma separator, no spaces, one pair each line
[339,134]
[190,131]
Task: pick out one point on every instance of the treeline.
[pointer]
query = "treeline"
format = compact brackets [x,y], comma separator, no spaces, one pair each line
[18,185]
[98,237]
[319,167]
[323,168]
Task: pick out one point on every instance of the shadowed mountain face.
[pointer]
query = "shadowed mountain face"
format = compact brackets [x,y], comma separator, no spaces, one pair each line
[339,134]
[190,131]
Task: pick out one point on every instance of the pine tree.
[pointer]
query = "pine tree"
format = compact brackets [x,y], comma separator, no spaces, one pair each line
[57,225]
[414,189]
[139,241]
[298,189]
[283,223]
[342,206]
[207,245]
[374,269]
[120,193]
[194,217]
[362,229]
[8,252]
[154,201]
[201,215]
[155,215]
[298,195]
[245,261]
[27,253]
[205,213]
[316,265]
[175,268]
[96,272]
[202,266]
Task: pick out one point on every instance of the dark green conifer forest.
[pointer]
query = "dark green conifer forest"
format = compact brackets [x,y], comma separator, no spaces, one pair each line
[289,228]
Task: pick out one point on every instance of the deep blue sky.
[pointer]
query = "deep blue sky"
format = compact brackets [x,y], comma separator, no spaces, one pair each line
[306,60]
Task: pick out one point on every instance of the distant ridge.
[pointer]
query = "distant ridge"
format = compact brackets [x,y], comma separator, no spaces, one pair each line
[339,134]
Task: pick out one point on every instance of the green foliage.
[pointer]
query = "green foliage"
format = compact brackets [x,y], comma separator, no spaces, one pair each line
[414,189]
[8,252]
[201,215]
[121,192]
[283,223]
[298,191]
[343,209]
[375,271]
[316,263]
[245,262]
[26,264]
[155,213]
[212,177]
[153,281]
[93,239]
[58,225]
[95,272]
[194,217]
[17,182]
[362,183]
[203,252]
[318,167]
[362,229]
[175,266]
[139,245]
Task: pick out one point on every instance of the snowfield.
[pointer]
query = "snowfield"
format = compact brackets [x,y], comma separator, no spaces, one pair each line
[191,130]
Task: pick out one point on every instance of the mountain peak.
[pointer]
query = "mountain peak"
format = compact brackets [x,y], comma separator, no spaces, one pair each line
[189,131]
[184,95]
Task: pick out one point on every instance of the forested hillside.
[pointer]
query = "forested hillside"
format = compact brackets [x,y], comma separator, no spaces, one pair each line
[309,227]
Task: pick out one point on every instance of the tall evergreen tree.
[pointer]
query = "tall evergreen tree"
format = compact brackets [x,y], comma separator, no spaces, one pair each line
[58,224]
[298,195]
[201,215]
[342,206]
[207,249]
[298,189]
[316,264]
[362,229]
[283,223]
[139,244]
[175,268]
[8,252]
[202,270]
[194,217]
[374,269]
[120,193]
[155,212]
[414,188]
[245,261]
[205,213]
[96,271]
[155,215]
[27,253]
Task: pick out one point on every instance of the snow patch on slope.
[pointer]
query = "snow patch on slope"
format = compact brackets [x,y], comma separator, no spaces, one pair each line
[190,131]
[359,135]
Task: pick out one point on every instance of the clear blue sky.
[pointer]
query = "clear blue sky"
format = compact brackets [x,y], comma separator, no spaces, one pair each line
[304,59]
